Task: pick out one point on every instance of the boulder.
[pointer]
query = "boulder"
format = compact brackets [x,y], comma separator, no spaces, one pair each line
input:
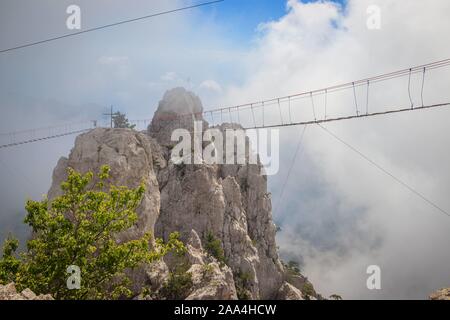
[9,292]
[288,292]
[441,294]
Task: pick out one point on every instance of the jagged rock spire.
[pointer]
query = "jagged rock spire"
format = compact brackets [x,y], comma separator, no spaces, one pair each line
[178,108]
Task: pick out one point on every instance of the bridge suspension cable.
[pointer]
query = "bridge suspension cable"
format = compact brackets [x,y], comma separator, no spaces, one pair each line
[385,171]
[319,121]
[358,83]
[258,116]
[43,138]
[16,138]
[265,105]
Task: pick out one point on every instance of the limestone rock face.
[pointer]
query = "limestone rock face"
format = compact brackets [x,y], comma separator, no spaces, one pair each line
[178,109]
[227,202]
[9,292]
[211,281]
[442,294]
[288,292]
[131,159]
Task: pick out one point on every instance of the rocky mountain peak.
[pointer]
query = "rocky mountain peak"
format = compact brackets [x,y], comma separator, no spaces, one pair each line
[215,208]
[180,101]
[178,108]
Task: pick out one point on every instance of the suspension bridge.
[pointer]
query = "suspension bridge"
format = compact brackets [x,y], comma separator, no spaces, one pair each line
[283,111]
[286,111]
[292,110]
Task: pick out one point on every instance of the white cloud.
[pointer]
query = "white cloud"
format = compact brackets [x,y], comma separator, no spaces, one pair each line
[211,85]
[370,218]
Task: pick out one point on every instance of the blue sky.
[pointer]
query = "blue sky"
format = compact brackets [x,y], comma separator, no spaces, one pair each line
[240,18]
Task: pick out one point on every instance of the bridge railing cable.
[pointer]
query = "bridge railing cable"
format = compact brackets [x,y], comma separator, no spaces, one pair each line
[257,114]
[27,136]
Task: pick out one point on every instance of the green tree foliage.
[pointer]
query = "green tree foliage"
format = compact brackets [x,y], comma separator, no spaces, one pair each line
[120,121]
[81,228]
[9,264]
[293,267]
[242,281]
[308,291]
[214,247]
[335,297]
[179,283]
